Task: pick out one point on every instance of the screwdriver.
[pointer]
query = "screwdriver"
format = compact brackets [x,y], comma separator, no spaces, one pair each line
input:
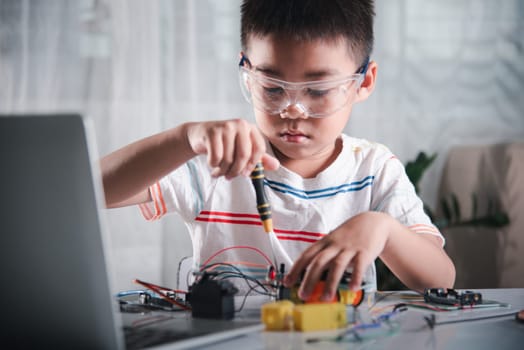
[264,210]
[263,206]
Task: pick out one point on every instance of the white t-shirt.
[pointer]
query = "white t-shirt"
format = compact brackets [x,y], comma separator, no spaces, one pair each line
[221,214]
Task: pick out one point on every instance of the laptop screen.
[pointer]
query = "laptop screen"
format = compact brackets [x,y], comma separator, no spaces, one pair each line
[51,253]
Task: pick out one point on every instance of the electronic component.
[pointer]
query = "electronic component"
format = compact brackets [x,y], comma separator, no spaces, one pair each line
[157,297]
[317,292]
[350,297]
[344,294]
[210,298]
[135,301]
[451,297]
[317,317]
[284,315]
[278,315]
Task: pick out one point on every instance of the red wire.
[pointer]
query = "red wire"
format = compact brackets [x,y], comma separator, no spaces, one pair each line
[238,247]
[165,289]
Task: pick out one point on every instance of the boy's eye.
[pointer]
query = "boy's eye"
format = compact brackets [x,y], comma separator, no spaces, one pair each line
[274,90]
[318,93]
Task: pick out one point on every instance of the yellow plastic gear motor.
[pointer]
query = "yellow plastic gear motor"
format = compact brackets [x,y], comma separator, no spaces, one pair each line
[317,317]
[278,315]
[284,316]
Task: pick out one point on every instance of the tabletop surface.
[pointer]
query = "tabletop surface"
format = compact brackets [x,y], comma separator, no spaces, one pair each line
[414,328]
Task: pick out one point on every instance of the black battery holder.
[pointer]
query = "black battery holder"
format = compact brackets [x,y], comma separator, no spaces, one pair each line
[212,299]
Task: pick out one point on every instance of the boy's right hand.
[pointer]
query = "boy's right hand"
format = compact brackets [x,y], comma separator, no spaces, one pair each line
[233,147]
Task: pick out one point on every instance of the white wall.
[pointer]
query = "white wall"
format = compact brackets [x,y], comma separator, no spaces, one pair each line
[450,72]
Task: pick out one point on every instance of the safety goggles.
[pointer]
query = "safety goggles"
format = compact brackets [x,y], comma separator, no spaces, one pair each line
[315,99]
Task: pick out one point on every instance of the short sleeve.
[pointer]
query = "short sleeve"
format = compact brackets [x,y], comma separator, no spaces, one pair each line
[395,194]
[183,191]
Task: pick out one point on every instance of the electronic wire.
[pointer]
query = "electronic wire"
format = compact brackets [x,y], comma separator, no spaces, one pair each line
[245,298]
[237,273]
[237,247]
[381,326]
[161,292]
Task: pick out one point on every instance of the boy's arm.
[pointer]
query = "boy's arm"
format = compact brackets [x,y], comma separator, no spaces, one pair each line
[417,259]
[233,148]
[128,172]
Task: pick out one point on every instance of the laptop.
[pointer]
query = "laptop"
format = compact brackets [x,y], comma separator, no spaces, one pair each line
[56,283]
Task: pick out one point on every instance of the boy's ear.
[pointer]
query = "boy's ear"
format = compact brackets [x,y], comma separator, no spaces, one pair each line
[368,84]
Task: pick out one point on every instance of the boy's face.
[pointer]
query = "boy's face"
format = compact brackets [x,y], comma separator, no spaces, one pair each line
[292,132]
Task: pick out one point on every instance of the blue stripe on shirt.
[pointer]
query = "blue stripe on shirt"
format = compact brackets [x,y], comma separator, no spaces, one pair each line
[320,193]
[195,185]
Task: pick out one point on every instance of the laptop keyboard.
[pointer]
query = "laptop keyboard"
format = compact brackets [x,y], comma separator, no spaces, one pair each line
[138,338]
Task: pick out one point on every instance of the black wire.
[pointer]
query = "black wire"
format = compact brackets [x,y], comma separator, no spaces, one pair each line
[237,273]
[247,278]
[240,274]
[247,294]
[220,264]
[231,274]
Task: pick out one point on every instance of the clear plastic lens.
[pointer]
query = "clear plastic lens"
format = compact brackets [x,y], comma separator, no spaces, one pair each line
[318,98]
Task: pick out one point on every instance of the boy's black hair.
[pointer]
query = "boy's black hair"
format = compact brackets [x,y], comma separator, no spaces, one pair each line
[310,20]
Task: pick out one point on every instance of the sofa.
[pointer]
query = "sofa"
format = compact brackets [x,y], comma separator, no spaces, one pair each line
[485,179]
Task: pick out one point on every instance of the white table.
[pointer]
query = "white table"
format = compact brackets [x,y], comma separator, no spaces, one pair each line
[495,333]
[410,329]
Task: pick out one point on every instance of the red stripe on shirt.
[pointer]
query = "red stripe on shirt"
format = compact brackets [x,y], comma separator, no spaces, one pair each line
[215,216]
[161,199]
[305,233]
[145,211]
[228,221]
[223,213]
[159,204]
[286,238]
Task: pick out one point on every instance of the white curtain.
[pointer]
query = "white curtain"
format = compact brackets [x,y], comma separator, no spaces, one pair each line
[450,72]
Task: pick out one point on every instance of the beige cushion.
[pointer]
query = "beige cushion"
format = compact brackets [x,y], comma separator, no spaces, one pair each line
[486,257]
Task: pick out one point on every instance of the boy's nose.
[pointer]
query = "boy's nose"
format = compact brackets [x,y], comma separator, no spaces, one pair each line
[294,111]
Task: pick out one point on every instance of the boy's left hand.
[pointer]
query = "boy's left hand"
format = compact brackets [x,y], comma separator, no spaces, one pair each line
[357,243]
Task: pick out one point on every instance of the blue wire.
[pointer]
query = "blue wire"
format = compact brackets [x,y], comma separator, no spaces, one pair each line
[135,292]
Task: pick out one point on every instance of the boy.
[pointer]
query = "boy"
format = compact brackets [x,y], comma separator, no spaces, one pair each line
[337,202]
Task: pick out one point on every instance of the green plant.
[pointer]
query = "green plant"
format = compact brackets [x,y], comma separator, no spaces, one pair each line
[494,217]
[452,216]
